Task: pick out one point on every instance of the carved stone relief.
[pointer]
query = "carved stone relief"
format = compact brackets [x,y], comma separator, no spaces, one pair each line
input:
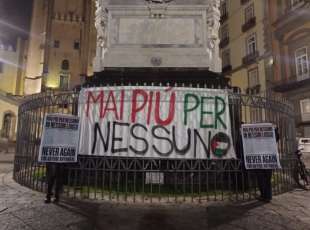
[157,34]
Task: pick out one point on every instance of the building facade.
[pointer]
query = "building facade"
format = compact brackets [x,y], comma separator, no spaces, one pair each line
[244,46]
[291,47]
[12,65]
[61,45]
[58,56]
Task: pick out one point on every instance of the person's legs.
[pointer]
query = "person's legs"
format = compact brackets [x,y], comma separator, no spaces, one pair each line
[50,183]
[59,182]
[260,182]
[267,185]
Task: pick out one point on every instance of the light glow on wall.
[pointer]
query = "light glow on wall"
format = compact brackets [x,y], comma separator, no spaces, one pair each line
[51,84]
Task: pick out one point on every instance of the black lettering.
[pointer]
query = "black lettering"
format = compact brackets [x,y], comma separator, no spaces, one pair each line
[44,151]
[119,139]
[187,146]
[105,143]
[207,149]
[139,152]
[162,138]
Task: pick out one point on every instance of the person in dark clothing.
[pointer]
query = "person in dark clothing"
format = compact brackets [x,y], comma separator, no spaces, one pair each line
[54,173]
[241,179]
[263,177]
[264,184]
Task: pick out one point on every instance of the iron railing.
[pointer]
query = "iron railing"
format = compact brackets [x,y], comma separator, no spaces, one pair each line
[124,179]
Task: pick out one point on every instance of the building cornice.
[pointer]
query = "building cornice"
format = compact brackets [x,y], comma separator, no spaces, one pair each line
[291,20]
[11,99]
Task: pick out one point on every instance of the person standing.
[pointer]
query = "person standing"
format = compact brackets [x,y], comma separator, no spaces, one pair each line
[264,177]
[54,173]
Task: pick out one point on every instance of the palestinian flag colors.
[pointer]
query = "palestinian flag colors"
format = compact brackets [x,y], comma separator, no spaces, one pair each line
[220,145]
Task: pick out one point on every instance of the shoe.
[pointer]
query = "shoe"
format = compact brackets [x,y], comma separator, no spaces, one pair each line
[263,199]
[47,200]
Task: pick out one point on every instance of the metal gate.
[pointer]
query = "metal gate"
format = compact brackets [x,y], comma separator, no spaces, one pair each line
[124,179]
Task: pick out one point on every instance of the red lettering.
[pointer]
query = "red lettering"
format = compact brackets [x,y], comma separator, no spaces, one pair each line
[91,99]
[135,108]
[170,117]
[111,99]
[150,108]
[122,104]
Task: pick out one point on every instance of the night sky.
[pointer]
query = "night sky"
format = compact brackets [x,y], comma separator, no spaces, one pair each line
[16,13]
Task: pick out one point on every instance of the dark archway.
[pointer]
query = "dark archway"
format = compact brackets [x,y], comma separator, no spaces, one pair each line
[8,125]
[64,75]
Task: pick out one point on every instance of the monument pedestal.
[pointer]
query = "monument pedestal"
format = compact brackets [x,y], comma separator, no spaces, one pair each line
[194,77]
[157,34]
[157,42]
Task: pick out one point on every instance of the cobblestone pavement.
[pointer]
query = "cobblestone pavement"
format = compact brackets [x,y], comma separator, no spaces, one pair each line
[7,152]
[22,208]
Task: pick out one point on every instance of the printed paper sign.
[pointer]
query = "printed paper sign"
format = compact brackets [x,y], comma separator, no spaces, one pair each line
[60,139]
[259,146]
[154,178]
[155,122]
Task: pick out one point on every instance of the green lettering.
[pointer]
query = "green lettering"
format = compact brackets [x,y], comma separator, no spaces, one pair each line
[218,112]
[186,104]
[203,112]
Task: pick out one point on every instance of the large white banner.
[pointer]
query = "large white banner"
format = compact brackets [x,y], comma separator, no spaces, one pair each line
[259,146]
[60,139]
[155,122]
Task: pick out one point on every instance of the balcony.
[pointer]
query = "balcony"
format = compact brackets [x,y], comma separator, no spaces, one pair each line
[249,24]
[226,68]
[250,58]
[224,42]
[242,2]
[224,17]
[292,83]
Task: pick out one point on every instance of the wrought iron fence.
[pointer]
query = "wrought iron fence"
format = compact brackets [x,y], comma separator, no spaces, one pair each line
[124,179]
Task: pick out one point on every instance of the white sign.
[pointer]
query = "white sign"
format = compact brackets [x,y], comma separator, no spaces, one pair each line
[60,139]
[259,146]
[154,178]
[155,122]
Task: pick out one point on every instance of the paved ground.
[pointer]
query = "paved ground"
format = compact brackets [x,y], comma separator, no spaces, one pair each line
[21,208]
[7,152]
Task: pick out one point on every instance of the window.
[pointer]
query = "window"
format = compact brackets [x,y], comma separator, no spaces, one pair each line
[249,13]
[302,63]
[254,89]
[1,67]
[7,125]
[305,109]
[65,65]
[64,75]
[251,44]
[76,45]
[224,32]
[305,106]
[226,58]
[64,81]
[253,78]
[56,44]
